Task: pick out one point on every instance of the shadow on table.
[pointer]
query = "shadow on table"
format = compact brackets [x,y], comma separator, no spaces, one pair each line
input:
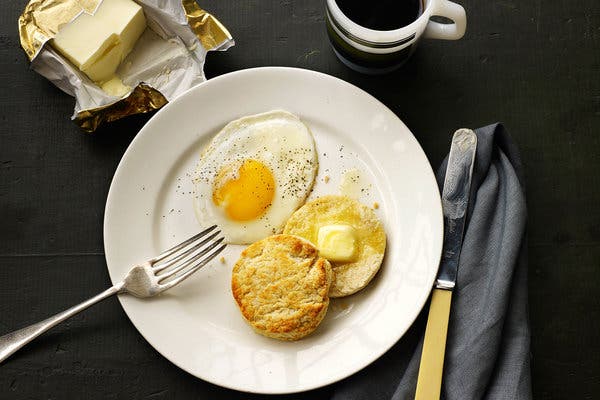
[121,132]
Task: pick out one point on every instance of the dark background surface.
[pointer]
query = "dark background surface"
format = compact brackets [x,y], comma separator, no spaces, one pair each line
[534,65]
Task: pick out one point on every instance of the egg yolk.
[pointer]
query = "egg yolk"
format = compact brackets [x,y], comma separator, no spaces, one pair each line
[247,196]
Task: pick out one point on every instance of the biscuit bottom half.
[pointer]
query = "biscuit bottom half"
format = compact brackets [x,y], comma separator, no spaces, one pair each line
[351,276]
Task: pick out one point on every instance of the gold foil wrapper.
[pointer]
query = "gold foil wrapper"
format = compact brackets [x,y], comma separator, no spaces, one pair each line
[207,28]
[143,99]
[42,19]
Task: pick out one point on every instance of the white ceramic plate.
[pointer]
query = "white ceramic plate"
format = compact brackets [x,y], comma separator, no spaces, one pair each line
[197,325]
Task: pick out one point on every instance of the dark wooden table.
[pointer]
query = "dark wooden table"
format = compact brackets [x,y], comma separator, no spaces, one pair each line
[533,65]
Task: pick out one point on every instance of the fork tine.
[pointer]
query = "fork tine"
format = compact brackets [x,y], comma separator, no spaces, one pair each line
[192,269]
[181,245]
[187,263]
[179,257]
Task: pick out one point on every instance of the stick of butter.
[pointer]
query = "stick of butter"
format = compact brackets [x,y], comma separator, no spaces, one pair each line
[97,44]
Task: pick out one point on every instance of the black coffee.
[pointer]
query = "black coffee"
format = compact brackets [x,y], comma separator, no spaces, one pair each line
[381,15]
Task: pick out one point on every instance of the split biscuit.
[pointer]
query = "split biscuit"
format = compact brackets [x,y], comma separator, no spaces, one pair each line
[370,240]
[281,286]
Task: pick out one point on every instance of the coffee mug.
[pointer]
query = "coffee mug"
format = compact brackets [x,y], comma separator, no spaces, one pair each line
[379,51]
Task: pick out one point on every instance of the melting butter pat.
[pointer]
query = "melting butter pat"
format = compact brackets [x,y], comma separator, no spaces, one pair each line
[337,243]
[97,44]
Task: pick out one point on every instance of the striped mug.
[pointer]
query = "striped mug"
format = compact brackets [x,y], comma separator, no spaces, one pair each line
[379,51]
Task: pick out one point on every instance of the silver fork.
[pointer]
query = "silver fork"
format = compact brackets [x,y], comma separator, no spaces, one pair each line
[144,280]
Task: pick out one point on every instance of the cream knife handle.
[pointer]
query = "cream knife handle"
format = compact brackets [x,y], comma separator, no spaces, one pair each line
[429,383]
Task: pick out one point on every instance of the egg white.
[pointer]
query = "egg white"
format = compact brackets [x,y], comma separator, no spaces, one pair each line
[279,140]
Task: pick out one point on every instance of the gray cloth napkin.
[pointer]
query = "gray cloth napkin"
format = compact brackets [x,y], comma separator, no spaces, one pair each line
[487,352]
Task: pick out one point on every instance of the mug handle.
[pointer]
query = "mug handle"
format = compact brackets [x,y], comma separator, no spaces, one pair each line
[450,10]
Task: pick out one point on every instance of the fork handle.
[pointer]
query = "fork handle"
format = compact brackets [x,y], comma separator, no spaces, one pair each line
[13,341]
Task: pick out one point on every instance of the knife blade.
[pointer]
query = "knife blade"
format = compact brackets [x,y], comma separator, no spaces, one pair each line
[455,202]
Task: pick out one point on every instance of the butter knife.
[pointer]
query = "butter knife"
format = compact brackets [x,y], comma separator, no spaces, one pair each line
[455,201]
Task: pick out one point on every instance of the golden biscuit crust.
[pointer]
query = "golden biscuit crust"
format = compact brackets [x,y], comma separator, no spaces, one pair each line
[352,276]
[281,286]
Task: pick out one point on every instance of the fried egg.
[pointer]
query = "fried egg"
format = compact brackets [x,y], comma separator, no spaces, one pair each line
[254,174]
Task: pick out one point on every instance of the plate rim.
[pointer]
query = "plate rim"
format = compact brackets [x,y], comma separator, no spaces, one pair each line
[215,81]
